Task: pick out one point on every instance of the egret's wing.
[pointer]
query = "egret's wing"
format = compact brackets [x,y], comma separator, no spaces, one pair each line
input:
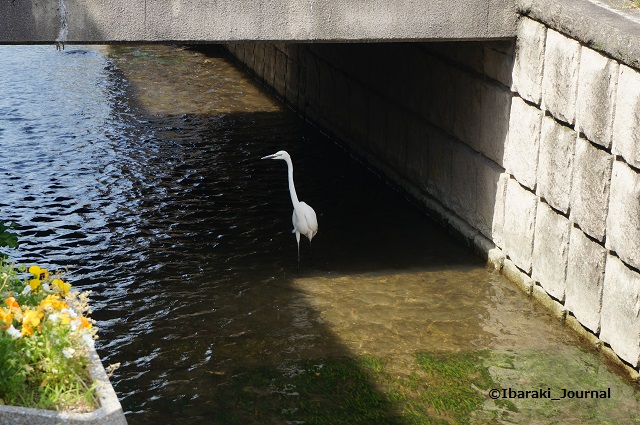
[310,217]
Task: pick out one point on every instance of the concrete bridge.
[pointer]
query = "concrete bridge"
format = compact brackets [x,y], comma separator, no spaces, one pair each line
[112,21]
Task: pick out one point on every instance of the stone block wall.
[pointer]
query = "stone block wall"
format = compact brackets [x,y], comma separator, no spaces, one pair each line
[529,148]
[586,251]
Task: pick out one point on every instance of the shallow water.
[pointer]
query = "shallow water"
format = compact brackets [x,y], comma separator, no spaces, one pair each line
[139,168]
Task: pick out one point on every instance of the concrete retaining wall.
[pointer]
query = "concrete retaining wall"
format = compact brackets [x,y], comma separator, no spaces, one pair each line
[529,148]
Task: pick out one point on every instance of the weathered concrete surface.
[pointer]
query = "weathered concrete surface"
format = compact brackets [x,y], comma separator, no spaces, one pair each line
[555,164]
[626,124]
[590,188]
[613,30]
[585,279]
[623,222]
[621,310]
[519,222]
[99,21]
[560,80]
[598,76]
[527,69]
[550,251]
[521,152]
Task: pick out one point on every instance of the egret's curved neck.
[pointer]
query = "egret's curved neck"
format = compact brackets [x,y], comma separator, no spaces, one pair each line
[292,188]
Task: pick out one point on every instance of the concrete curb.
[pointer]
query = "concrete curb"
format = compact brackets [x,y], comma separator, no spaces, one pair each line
[109,413]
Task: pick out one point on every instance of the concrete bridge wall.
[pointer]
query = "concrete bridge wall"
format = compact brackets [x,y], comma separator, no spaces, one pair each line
[100,21]
[529,148]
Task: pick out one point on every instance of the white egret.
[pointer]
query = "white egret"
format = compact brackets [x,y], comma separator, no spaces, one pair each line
[304,217]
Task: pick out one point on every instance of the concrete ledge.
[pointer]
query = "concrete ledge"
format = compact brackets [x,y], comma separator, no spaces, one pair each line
[109,413]
[613,30]
[110,21]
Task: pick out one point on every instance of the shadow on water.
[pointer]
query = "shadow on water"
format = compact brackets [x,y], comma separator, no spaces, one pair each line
[158,200]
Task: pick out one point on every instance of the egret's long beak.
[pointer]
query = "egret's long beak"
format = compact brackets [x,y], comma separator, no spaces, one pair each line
[269,156]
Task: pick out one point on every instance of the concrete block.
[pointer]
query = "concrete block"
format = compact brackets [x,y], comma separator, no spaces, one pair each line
[439,99]
[463,182]
[467,108]
[529,59]
[626,123]
[539,294]
[358,111]
[312,85]
[378,112]
[550,250]
[292,81]
[489,195]
[555,163]
[519,225]
[497,221]
[326,91]
[585,279]
[621,310]
[302,80]
[280,73]
[560,79]
[521,152]
[439,169]
[418,152]
[623,221]
[598,77]
[511,272]
[269,64]
[259,52]
[396,145]
[498,60]
[237,49]
[495,107]
[249,55]
[467,53]
[590,188]
[341,101]
[496,258]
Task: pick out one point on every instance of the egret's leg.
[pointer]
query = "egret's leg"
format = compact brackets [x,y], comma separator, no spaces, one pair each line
[298,242]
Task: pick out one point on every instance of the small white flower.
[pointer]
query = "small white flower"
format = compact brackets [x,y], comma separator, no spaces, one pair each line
[14,332]
[72,314]
[47,288]
[53,317]
[68,352]
[26,290]
[88,339]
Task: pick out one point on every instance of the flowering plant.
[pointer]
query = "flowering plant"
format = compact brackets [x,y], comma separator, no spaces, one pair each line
[45,337]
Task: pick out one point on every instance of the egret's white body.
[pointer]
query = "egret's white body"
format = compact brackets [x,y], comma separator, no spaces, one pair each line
[304,217]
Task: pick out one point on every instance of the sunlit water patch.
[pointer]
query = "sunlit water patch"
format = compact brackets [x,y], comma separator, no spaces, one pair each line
[139,168]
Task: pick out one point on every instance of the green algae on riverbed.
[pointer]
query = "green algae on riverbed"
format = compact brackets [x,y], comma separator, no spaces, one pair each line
[442,388]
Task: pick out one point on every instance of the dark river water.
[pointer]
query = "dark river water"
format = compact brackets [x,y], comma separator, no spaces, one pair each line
[138,169]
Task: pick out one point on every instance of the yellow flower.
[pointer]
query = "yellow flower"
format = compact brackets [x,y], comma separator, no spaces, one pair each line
[12,303]
[84,323]
[54,302]
[38,272]
[34,283]
[6,318]
[30,320]
[64,286]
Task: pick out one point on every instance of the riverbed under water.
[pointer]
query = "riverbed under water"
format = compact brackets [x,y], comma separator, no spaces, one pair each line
[139,169]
